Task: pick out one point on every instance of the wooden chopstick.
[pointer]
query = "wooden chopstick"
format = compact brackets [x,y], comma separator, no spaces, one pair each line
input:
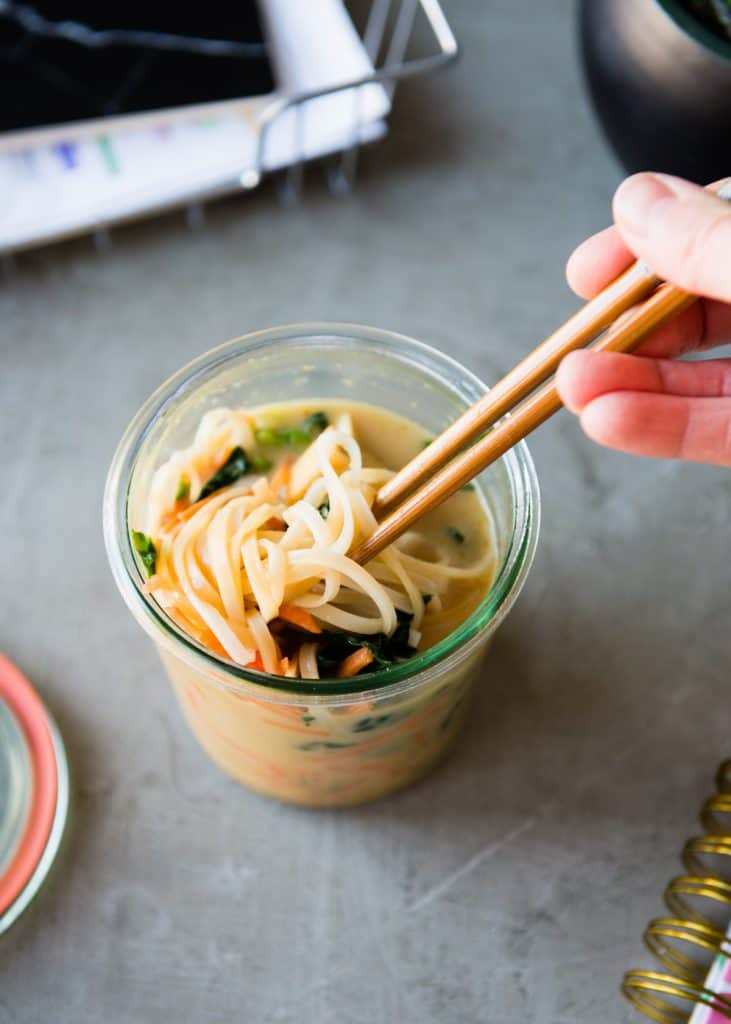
[667,301]
[634,284]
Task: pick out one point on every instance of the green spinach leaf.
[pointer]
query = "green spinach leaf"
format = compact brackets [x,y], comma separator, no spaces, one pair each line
[235,466]
[147,551]
[315,424]
[260,464]
[307,431]
[386,650]
[183,489]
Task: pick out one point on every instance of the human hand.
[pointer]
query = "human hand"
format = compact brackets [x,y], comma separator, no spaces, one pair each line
[648,403]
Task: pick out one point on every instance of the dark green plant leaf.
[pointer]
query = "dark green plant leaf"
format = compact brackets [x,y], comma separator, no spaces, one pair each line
[322,745]
[235,466]
[372,722]
[147,551]
[386,650]
[266,436]
[315,423]
[302,434]
[260,464]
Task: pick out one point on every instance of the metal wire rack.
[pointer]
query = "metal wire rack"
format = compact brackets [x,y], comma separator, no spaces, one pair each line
[388,31]
[401,39]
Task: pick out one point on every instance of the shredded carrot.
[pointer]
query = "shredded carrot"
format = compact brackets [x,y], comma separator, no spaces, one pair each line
[257,663]
[211,641]
[356,661]
[358,710]
[285,711]
[202,634]
[182,620]
[188,617]
[173,519]
[299,617]
[156,582]
[280,477]
[214,463]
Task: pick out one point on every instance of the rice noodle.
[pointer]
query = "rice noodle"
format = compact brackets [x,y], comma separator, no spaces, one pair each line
[228,565]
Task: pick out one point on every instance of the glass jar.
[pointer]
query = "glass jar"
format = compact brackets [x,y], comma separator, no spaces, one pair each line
[327,741]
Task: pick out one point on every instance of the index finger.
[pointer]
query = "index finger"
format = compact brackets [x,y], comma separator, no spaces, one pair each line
[596,262]
[602,257]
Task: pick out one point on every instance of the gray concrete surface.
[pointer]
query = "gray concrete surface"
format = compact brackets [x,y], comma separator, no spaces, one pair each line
[514,883]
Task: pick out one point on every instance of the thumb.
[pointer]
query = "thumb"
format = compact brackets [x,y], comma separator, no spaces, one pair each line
[680,230]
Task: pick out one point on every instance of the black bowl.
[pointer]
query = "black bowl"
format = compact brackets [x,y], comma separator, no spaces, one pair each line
[661,85]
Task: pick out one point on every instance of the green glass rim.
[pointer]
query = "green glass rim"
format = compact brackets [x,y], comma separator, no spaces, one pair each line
[125,562]
[695,28]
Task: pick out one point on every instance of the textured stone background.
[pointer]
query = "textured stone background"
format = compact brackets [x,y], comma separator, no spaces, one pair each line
[515,883]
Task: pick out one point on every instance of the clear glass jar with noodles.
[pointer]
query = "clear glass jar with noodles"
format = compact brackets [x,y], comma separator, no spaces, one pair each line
[328,741]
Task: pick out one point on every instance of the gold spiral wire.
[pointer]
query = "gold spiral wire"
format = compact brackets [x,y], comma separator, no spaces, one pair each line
[698,851]
[664,935]
[645,990]
[687,943]
[686,888]
[715,805]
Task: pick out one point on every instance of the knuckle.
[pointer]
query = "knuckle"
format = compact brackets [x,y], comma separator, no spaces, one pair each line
[701,250]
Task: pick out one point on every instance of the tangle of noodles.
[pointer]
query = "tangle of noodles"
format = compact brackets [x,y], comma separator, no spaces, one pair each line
[267,555]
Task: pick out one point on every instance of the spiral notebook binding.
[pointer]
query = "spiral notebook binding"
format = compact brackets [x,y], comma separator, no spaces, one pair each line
[682,891]
[712,808]
[646,991]
[661,934]
[687,943]
[723,777]
[698,851]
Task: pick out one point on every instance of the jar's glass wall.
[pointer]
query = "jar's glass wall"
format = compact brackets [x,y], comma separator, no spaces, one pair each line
[326,752]
[333,746]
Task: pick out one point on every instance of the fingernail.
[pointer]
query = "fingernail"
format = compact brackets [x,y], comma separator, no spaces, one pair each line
[635,198]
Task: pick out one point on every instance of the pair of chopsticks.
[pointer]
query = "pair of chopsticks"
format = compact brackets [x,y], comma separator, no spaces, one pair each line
[461,452]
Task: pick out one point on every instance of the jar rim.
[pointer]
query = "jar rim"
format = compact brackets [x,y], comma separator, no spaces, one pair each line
[125,566]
